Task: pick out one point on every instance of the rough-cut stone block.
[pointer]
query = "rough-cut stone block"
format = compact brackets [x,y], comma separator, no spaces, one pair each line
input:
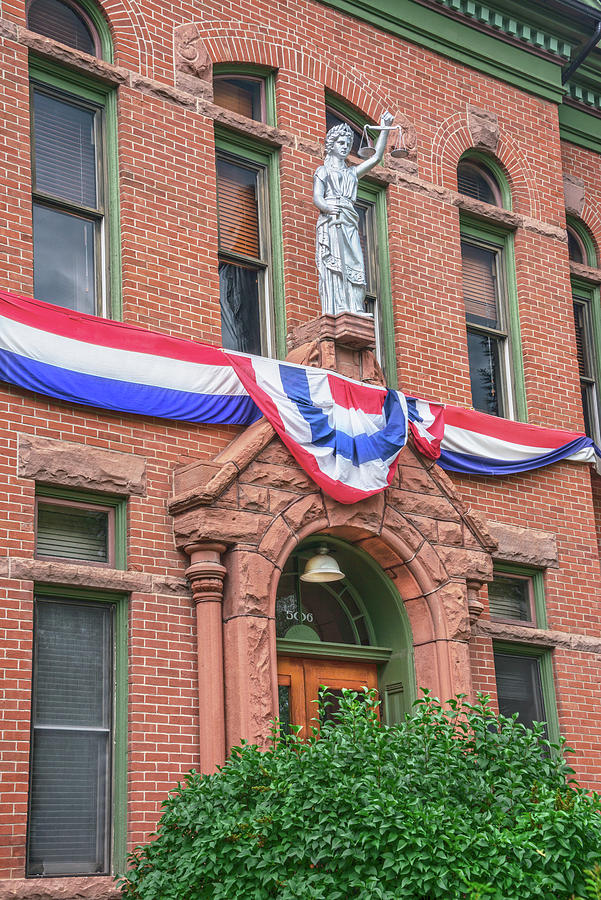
[367,514]
[423,504]
[213,524]
[418,480]
[483,127]
[466,563]
[288,477]
[247,586]
[432,564]
[50,461]
[427,527]
[253,497]
[277,539]
[574,193]
[277,453]
[450,533]
[250,670]
[453,602]
[402,528]
[383,554]
[528,546]
[59,889]
[306,510]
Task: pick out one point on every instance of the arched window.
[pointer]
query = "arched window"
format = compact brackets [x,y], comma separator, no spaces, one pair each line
[576,249]
[474,180]
[244,95]
[65,23]
[581,246]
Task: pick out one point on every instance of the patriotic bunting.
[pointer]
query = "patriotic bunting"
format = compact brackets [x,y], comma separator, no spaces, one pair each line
[345,434]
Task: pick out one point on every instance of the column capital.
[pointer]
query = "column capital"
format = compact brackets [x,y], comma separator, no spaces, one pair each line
[206,572]
[474,605]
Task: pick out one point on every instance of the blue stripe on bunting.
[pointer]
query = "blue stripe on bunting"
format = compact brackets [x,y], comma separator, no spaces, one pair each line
[142,399]
[478,465]
[359,448]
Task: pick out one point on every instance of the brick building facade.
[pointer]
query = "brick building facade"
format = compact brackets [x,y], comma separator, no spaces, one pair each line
[197,523]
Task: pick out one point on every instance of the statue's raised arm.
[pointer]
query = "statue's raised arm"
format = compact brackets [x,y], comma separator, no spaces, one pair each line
[338,253]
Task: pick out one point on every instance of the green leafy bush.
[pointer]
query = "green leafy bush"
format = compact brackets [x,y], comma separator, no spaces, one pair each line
[454,803]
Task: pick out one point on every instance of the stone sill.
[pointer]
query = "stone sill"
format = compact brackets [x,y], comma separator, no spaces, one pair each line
[72,888]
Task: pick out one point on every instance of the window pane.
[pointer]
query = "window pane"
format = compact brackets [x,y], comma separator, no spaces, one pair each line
[483,351]
[575,250]
[72,664]
[64,259]
[473,183]
[60,22]
[367,238]
[240,316]
[238,209]
[326,615]
[65,152]
[65,531]
[509,598]
[333,118]
[241,95]
[582,329]
[68,818]
[69,824]
[480,285]
[519,687]
[284,707]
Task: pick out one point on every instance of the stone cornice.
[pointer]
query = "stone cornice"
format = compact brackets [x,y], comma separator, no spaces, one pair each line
[501,631]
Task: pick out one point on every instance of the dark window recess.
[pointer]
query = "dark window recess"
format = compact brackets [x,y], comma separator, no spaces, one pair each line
[519,687]
[242,263]
[576,248]
[245,96]
[486,336]
[334,118]
[284,707]
[67,202]
[474,182]
[60,22]
[69,797]
[510,598]
[72,532]
[586,366]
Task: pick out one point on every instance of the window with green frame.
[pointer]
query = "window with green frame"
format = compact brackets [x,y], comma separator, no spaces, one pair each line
[78,759]
[246,89]
[76,241]
[492,320]
[587,325]
[517,595]
[250,246]
[525,685]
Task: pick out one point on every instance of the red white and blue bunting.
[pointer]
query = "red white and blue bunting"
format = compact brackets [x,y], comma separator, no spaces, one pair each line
[345,434]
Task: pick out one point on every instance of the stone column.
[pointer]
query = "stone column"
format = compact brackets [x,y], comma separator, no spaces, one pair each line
[206,574]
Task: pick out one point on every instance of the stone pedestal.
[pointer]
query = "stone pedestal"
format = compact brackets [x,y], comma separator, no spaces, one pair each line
[344,342]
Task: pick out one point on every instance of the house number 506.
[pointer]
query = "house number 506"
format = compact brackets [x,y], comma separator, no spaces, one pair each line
[294,616]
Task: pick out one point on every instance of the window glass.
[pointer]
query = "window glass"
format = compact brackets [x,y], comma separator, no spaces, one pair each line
[474,181]
[72,532]
[575,248]
[242,204]
[68,216]
[519,687]
[61,22]
[245,96]
[487,336]
[586,364]
[69,800]
[510,597]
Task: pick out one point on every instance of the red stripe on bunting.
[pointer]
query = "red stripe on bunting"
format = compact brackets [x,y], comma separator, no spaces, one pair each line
[105,332]
[357,396]
[506,430]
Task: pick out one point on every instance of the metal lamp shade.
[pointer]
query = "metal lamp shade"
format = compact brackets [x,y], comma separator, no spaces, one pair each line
[322,567]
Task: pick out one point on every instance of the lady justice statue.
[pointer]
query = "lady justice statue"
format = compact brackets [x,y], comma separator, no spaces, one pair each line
[338,253]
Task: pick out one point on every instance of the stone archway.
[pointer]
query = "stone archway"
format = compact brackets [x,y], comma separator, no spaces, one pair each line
[239,518]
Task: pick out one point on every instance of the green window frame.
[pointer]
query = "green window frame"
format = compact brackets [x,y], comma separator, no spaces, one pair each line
[585,240]
[245,151]
[254,72]
[547,682]
[117,817]
[587,327]
[89,499]
[79,89]
[492,169]
[537,591]
[491,237]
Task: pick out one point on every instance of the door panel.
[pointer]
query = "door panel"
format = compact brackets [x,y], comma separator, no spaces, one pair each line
[301,678]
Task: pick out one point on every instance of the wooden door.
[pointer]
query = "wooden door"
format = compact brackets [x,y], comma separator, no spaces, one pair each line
[300,678]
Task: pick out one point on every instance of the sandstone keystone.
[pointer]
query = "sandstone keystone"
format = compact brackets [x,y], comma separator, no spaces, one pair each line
[528,546]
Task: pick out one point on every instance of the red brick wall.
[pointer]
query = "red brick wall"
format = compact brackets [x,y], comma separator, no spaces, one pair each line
[169,246]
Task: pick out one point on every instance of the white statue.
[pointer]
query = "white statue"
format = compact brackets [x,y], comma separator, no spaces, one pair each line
[338,254]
